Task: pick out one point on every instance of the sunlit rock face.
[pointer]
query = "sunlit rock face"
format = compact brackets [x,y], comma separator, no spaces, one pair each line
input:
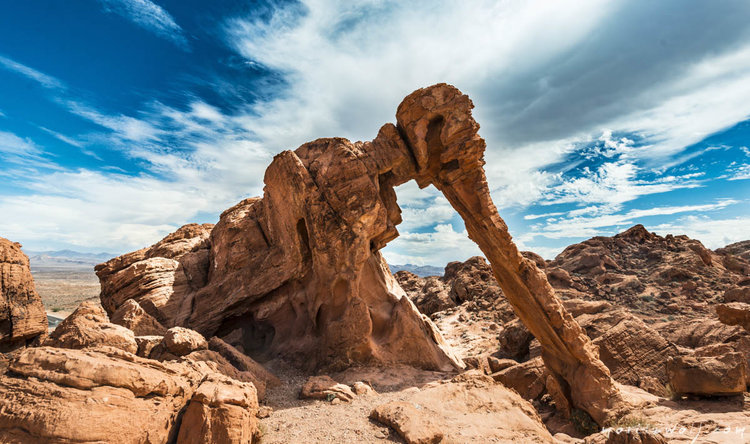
[22,316]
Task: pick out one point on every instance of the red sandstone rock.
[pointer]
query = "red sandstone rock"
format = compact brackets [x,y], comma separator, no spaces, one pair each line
[734,313]
[707,375]
[131,316]
[527,379]
[89,326]
[298,272]
[22,317]
[181,341]
[222,410]
[469,408]
[108,395]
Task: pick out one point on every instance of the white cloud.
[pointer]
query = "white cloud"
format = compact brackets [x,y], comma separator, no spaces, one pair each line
[149,16]
[713,233]
[128,128]
[44,80]
[25,156]
[580,226]
[741,172]
[438,247]
[93,210]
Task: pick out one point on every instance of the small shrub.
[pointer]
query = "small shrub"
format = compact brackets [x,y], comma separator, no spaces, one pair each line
[56,309]
[583,422]
[630,421]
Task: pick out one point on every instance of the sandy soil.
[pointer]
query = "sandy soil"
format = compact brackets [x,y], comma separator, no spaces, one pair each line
[63,288]
[295,420]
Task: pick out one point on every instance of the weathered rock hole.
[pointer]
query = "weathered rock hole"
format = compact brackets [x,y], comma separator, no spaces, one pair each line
[304,239]
[434,144]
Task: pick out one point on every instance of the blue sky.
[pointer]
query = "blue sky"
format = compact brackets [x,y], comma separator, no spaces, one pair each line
[121,120]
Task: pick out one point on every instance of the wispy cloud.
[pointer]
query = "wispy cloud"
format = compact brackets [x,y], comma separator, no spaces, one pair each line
[150,16]
[44,80]
[713,232]
[24,154]
[126,127]
[581,225]
[70,141]
[741,172]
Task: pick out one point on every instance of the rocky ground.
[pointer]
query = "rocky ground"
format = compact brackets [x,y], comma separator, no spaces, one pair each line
[504,399]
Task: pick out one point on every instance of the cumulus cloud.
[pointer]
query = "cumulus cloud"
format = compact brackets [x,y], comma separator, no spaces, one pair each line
[150,16]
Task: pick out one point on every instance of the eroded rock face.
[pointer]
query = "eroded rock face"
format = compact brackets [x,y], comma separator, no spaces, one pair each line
[22,316]
[158,278]
[89,326]
[131,316]
[634,353]
[649,274]
[298,272]
[67,395]
[222,410]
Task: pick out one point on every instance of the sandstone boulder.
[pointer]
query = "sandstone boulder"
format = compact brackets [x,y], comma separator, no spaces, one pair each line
[159,277]
[737,294]
[412,425]
[89,326]
[106,394]
[181,341]
[22,316]
[146,344]
[734,313]
[221,410]
[469,408]
[721,375]
[131,316]
[527,378]
[323,387]
[633,352]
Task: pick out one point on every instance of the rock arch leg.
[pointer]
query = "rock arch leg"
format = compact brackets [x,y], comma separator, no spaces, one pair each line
[454,165]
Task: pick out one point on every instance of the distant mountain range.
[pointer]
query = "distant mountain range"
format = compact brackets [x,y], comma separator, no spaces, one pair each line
[77,259]
[419,270]
[66,258]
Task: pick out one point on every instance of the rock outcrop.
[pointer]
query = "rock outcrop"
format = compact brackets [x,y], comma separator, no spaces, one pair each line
[107,395]
[131,316]
[708,375]
[469,408]
[647,273]
[88,326]
[22,316]
[734,313]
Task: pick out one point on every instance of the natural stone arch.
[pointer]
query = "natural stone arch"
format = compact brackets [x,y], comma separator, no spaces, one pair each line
[298,272]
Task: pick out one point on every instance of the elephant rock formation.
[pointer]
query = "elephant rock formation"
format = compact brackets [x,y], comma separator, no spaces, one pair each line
[298,272]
